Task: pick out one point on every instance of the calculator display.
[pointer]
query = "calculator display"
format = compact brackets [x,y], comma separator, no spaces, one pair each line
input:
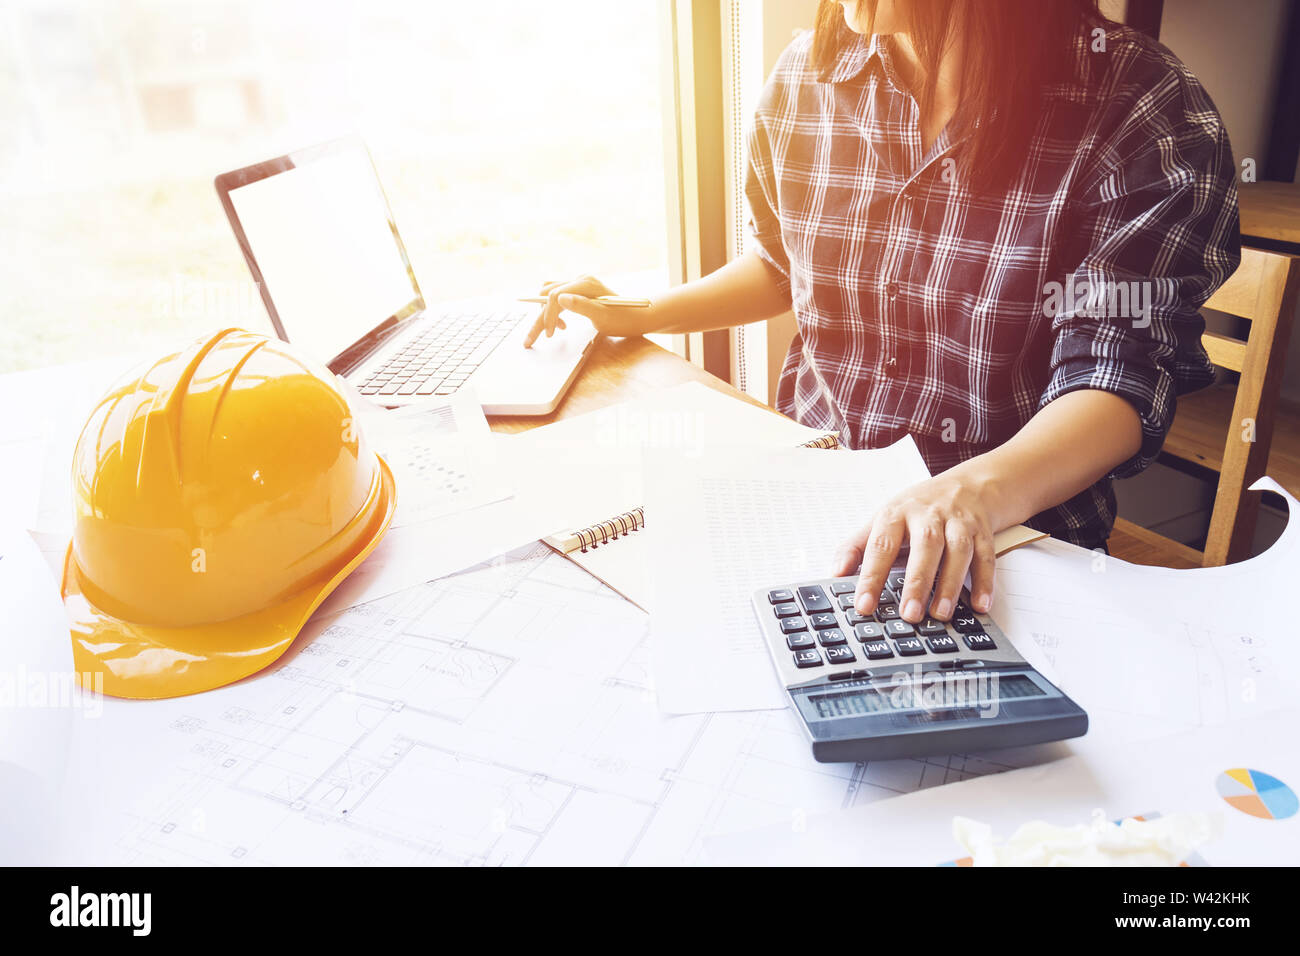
[889,699]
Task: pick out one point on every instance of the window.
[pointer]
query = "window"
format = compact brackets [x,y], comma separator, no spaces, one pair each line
[517,141]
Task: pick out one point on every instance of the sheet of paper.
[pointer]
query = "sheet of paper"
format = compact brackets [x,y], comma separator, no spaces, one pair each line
[23,458]
[39,700]
[601,454]
[727,524]
[624,565]
[442,456]
[1244,775]
[1153,651]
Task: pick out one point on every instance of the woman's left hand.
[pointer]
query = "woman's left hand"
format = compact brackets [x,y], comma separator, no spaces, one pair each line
[947,522]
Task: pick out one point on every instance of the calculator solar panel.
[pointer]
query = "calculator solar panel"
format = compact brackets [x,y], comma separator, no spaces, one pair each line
[875,687]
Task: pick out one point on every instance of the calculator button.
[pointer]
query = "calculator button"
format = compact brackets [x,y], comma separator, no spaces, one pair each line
[791,624]
[846,601]
[854,618]
[799,641]
[877,650]
[780,596]
[979,641]
[843,587]
[870,631]
[965,620]
[824,620]
[840,655]
[814,599]
[930,627]
[910,646]
[898,629]
[895,580]
[789,609]
[887,612]
[831,636]
[942,644]
[807,658]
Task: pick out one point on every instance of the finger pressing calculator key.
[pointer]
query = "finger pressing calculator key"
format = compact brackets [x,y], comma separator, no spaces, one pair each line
[876,687]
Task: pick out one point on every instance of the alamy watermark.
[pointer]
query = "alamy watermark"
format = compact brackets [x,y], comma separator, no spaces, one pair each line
[212,300]
[52,690]
[74,908]
[1132,300]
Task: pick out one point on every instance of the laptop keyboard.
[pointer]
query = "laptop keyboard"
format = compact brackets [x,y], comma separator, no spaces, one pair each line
[441,358]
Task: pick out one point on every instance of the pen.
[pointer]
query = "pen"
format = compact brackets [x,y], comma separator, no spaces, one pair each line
[614,301]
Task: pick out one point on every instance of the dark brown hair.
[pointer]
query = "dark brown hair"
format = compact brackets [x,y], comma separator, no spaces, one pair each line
[1012,49]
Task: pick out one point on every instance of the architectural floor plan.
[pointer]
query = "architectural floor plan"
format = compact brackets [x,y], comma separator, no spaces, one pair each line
[499,716]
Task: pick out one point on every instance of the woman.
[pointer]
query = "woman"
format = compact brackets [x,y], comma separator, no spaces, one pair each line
[995,221]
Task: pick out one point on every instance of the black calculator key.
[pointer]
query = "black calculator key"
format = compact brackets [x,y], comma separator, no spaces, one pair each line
[831,636]
[965,620]
[854,618]
[840,654]
[791,624]
[845,601]
[942,644]
[979,641]
[799,641]
[898,629]
[789,609]
[877,650]
[814,599]
[895,580]
[824,620]
[869,631]
[808,658]
[910,646]
[780,596]
[930,627]
[887,612]
[844,587]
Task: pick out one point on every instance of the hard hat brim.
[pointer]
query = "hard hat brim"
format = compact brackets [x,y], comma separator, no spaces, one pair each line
[147,662]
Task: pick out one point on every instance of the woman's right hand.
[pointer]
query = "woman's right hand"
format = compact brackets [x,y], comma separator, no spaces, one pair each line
[579,295]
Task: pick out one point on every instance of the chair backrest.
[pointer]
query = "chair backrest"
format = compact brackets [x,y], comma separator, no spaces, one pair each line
[1263,291]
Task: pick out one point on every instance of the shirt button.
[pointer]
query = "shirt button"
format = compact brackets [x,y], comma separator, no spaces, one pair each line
[891,290]
[891,368]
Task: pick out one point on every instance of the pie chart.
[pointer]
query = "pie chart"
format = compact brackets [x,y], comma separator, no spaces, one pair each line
[1256,793]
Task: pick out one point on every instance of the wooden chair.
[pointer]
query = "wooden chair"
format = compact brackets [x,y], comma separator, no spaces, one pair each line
[1263,291]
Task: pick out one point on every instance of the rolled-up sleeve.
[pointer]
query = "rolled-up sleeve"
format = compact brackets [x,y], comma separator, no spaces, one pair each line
[761,191]
[1155,232]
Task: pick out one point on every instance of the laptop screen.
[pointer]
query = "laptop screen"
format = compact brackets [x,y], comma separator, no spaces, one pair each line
[327,250]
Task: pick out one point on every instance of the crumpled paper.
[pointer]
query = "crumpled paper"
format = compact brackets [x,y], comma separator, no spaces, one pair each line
[1163,841]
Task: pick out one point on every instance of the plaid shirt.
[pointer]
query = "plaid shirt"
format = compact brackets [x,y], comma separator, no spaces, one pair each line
[924,309]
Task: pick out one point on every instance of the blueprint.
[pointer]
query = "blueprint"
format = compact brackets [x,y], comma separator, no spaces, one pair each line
[503,715]
[1149,652]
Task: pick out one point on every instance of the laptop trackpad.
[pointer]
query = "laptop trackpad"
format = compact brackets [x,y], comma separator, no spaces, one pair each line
[520,381]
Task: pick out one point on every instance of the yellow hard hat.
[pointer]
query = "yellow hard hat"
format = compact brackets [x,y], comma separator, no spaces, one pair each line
[221,494]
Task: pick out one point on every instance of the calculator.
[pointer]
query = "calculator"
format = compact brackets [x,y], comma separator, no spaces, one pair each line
[875,687]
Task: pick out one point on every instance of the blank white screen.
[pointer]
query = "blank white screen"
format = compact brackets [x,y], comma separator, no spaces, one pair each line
[321,237]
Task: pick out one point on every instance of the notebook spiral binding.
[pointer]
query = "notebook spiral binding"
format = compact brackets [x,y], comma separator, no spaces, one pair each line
[593,536]
[826,441]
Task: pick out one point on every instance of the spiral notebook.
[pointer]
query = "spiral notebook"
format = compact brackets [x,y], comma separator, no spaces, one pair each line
[685,416]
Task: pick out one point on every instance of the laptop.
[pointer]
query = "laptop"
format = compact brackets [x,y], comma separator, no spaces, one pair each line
[320,241]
